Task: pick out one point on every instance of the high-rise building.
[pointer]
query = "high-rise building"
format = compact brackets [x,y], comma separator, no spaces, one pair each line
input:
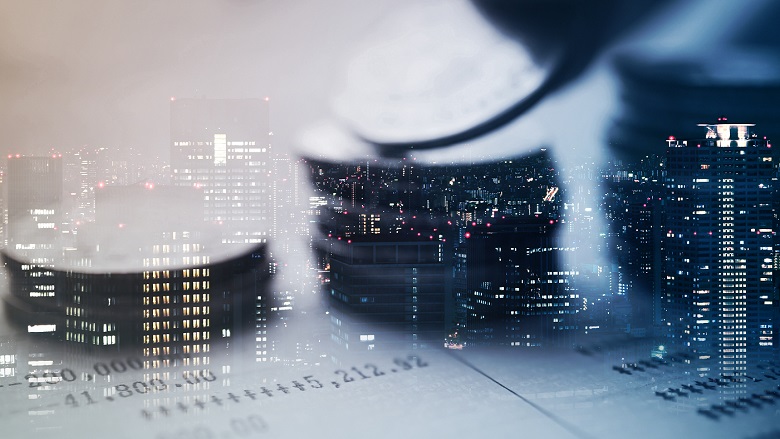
[3,209]
[222,147]
[388,294]
[634,207]
[518,293]
[81,179]
[34,203]
[719,296]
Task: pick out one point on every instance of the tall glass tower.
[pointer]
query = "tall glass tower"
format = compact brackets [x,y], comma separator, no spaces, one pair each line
[719,295]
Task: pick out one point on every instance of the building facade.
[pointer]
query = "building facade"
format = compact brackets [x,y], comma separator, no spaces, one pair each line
[222,147]
[388,294]
[719,296]
[517,292]
[34,203]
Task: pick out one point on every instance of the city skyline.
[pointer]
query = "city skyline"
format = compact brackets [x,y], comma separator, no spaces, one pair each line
[457,202]
[448,218]
[416,257]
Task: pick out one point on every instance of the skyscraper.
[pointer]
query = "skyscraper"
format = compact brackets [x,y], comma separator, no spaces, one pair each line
[34,205]
[518,294]
[719,294]
[80,179]
[222,147]
[388,294]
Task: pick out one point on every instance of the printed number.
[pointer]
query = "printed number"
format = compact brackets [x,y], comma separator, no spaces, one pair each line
[48,375]
[309,379]
[405,364]
[135,363]
[347,378]
[123,390]
[402,363]
[190,379]
[88,397]
[160,384]
[71,401]
[357,371]
[33,380]
[102,369]
[68,375]
[377,372]
[140,387]
[207,376]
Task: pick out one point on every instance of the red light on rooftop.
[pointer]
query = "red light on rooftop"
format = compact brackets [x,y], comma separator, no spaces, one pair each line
[173,98]
[671,137]
[473,224]
[101,185]
[467,235]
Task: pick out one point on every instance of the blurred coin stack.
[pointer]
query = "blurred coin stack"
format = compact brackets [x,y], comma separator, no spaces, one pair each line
[669,95]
